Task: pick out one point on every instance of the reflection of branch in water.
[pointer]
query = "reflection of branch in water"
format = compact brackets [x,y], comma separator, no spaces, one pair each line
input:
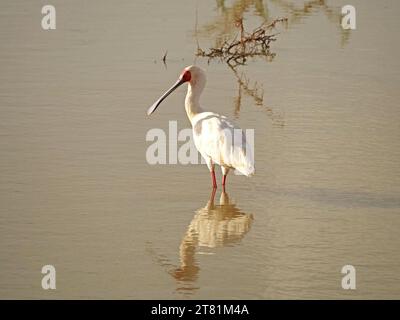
[224,25]
[297,14]
[237,102]
[212,226]
[237,51]
[256,92]
[241,6]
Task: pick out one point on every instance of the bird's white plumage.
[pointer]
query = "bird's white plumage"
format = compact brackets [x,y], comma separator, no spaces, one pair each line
[218,140]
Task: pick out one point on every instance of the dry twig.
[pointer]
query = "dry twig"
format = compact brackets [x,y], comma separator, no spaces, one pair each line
[237,51]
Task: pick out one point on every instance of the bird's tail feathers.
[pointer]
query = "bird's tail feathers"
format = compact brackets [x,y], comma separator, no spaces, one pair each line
[248,171]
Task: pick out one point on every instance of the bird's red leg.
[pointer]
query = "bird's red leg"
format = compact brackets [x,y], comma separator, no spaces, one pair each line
[214,181]
[212,197]
[224,180]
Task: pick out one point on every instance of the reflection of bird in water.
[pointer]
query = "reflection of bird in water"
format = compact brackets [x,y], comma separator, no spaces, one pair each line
[212,226]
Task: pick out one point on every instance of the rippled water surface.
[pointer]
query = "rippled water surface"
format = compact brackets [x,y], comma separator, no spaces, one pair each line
[77,192]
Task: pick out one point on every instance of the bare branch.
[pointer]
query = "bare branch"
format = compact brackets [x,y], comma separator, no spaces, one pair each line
[250,45]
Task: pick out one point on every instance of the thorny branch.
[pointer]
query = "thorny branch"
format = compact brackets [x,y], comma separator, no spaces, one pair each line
[237,51]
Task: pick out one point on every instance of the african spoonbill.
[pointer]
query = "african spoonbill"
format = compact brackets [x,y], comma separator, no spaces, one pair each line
[215,137]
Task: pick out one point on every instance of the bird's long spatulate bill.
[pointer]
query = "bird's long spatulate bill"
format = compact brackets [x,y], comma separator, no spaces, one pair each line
[166,94]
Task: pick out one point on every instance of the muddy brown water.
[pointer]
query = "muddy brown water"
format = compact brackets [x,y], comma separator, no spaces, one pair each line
[77,192]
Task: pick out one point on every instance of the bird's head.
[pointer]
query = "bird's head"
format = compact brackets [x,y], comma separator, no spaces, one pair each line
[191,74]
[194,75]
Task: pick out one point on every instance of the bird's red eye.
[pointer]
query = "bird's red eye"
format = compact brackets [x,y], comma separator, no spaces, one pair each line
[186,76]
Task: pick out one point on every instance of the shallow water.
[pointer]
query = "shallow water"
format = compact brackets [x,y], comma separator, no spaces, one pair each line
[77,192]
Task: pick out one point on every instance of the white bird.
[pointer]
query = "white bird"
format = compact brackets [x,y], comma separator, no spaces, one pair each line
[215,137]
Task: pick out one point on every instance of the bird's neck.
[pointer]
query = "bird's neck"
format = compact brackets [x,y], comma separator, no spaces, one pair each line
[192,101]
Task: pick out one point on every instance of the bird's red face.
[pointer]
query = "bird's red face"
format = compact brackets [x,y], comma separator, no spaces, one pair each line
[185,76]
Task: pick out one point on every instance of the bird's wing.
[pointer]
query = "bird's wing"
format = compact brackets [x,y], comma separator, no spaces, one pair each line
[216,137]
